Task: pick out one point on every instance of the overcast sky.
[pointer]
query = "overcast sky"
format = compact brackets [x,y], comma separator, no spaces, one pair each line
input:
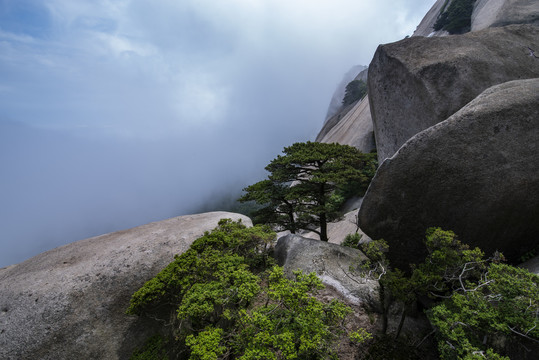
[118,113]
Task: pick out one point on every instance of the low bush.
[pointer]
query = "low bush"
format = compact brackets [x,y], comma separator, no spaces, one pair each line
[225,299]
[456,18]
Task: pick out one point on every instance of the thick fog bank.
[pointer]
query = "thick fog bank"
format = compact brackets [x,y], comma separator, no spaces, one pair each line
[57,187]
[117,113]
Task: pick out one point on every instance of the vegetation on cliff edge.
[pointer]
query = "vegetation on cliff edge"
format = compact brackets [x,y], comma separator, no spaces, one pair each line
[308,184]
[480,308]
[455,18]
[225,299]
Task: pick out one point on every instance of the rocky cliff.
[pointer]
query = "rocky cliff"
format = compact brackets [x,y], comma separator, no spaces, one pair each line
[475,173]
[418,82]
[70,302]
[354,128]
[486,13]
[349,124]
[335,105]
[437,100]
[477,61]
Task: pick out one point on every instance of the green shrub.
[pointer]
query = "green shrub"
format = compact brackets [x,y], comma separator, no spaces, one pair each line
[503,302]
[221,255]
[355,90]
[293,323]
[456,18]
[153,349]
[479,300]
[352,240]
[478,303]
[224,299]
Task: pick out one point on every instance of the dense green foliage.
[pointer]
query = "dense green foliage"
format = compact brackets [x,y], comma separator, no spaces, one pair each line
[455,18]
[308,184]
[352,240]
[224,299]
[293,324]
[278,204]
[482,300]
[154,349]
[224,258]
[501,304]
[354,91]
[479,304]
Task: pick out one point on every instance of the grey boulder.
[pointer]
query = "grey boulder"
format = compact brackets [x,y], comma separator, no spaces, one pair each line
[335,265]
[491,13]
[418,82]
[532,265]
[70,302]
[477,173]
[354,128]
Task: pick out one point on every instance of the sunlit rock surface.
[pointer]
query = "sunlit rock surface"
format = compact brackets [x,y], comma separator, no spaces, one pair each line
[476,173]
[70,302]
[354,128]
[491,13]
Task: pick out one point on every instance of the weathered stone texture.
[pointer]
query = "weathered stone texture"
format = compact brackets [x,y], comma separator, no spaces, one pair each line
[418,82]
[492,13]
[334,265]
[426,26]
[354,128]
[477,173]
[70,302]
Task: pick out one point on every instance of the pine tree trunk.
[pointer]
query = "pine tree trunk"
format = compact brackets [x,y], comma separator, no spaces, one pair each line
[323,216]
[385,308]
[323,227]
[401,323]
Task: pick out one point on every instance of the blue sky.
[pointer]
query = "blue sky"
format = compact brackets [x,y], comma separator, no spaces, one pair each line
[117,113]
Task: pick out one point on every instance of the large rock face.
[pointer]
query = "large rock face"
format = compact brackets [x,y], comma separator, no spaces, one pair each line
[418,82]
[486,13]
[332,263]
[491,13]
[351,124]
[335,105]
[426,26]
[477,173]
[70,302]
[354,128]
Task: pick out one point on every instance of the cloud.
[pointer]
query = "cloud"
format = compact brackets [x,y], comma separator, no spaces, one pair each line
[115,113]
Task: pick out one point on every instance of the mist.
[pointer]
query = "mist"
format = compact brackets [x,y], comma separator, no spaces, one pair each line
[114,114]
